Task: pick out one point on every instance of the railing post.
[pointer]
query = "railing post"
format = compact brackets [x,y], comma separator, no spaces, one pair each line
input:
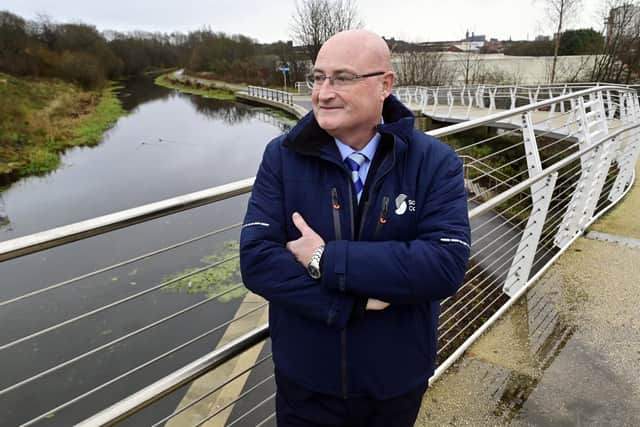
[492,99]
[611,109]
[541,193]
[479,96]
[593,171]
[630,147]
[423,98]
[424,101]
[512,92]
[552,108]
[435,101]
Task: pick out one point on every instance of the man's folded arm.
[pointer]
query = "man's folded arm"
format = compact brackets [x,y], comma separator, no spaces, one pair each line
[268,268]
[429,268]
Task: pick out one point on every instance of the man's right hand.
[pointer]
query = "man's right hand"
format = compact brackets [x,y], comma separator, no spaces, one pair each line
[376,304]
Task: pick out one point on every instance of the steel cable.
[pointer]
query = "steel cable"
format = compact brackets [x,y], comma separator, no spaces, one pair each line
[210,392]
[204,420]
[140,367]
[119,264]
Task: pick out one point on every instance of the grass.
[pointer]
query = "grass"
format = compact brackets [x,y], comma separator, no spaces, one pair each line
[165,80]
[40,118]
[92,127]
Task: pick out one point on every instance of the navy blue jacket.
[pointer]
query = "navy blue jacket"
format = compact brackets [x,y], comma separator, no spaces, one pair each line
[406,244]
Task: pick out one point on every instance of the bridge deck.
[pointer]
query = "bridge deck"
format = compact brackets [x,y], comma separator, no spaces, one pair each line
[568,352]
[563,123]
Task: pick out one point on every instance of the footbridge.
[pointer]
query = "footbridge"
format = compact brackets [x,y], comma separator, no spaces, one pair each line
[542,164]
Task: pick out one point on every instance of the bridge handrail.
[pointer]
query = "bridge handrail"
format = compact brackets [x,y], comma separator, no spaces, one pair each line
[271,94]
[70,233]
[534,106]
[47,239]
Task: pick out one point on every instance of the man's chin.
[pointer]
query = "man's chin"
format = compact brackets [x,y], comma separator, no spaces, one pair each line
[327,124]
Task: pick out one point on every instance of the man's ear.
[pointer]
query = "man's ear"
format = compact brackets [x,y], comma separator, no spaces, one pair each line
[387,84]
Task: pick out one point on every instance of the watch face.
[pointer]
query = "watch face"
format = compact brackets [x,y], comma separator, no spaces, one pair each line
[314,271]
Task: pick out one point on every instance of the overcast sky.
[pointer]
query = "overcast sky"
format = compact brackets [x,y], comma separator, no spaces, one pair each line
[270,20]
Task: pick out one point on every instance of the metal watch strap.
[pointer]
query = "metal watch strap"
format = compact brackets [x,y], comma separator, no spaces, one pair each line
[314,264]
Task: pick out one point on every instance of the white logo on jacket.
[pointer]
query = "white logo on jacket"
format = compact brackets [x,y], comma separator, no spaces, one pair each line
[403,204]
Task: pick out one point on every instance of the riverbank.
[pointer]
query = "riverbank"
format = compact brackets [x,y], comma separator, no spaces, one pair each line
[166,80]
[40,118]
[225,91]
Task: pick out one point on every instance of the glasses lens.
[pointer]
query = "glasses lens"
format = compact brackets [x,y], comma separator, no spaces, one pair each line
[310,80]
[343,79]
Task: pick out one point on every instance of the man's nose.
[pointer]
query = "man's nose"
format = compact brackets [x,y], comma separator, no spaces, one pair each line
[326,90]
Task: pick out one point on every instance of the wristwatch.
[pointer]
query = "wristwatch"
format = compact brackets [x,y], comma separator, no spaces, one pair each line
[314,265]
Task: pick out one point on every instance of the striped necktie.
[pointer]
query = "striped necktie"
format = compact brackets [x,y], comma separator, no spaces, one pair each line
[354,161]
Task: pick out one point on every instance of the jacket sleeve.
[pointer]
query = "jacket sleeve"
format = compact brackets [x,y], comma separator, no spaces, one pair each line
[428,268]
[268,268]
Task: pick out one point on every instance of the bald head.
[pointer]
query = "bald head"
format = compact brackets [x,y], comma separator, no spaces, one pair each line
[349,105]
[363,47]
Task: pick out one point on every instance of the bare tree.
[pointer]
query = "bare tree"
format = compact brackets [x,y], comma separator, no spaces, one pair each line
[421,68]
[559,13]
[620,58]
[314,21]
[471,66]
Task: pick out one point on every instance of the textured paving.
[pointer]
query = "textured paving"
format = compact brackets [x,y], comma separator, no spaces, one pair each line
[567,354]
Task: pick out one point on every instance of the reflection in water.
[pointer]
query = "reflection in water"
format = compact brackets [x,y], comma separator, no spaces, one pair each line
[234,113]
[4,216]
[138,91]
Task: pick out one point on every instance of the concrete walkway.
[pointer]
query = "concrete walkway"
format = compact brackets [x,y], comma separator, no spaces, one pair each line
[568,353]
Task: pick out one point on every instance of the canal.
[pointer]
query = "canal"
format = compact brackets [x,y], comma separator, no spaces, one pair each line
[167,145]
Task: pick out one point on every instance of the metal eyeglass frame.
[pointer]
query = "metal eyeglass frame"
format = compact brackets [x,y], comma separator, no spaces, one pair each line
[311,78]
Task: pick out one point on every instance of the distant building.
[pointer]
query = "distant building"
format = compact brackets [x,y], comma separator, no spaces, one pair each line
[542,38]
[474,38]
[623,20]
[470,43]
[493,46]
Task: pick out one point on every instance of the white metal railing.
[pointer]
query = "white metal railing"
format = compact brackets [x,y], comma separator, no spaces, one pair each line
[537,183]
[303,88]
[270,94]
[459,101]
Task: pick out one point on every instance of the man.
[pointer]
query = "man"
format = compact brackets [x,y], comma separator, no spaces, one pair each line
[356,227]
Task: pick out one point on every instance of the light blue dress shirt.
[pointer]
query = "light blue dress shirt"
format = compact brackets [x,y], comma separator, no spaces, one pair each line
[369,151]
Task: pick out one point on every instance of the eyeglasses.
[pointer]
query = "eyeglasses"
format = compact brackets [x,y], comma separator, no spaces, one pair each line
[340,80]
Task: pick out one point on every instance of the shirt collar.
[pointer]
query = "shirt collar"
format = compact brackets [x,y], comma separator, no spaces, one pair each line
[369,150]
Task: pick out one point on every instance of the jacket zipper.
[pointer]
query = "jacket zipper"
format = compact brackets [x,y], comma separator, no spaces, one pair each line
[335,208]
[343,335]
[364,215]
[382,220]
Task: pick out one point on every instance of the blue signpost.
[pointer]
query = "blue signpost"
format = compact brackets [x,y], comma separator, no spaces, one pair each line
[284,70]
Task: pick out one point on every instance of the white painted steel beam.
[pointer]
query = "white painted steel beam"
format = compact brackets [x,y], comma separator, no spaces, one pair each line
[541,193]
